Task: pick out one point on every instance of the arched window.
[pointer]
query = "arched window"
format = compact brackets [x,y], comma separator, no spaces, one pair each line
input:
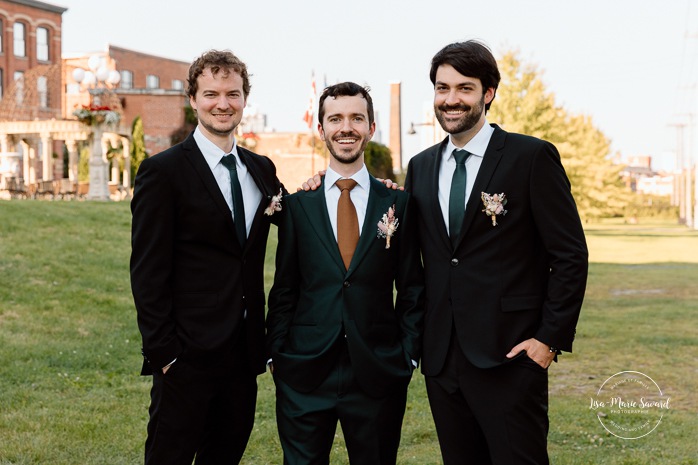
[42,91]
[42,44]
[20,39]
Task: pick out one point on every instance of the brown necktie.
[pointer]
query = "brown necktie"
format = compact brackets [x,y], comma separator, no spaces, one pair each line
[347,221]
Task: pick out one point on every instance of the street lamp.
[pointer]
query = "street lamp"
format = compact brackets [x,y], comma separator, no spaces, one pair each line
[98,80]
[412,131]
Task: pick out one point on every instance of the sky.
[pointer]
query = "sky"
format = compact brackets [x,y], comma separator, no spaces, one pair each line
[632,65]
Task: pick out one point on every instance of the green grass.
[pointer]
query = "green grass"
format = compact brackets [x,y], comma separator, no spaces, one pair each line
[70,349]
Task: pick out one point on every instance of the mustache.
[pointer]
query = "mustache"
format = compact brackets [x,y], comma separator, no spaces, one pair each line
[347,134]
[463,107]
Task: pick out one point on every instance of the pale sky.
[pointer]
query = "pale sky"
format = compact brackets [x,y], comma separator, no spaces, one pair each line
[632,65]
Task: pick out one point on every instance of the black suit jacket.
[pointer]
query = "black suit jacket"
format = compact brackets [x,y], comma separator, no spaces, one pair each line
[501,285]
[191,281]
[315,302]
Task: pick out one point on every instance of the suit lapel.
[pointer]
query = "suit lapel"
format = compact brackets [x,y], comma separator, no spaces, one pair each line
[314,206]
[491,159]
[196,159]
[437,214]
[256,174]
[379,200]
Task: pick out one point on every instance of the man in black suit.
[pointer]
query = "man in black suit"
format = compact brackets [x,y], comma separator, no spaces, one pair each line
[505,260]
[341,347]
[201,216]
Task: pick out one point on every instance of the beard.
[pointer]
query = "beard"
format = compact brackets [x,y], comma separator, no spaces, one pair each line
[219,128]
[466,122]
[346,157]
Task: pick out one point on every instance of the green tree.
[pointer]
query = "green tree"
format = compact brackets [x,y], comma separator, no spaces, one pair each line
[138,152]
[378,160]
[524,105]
[84,163]
[188,125]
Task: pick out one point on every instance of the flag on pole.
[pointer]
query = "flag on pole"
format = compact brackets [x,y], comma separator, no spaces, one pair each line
[310,112]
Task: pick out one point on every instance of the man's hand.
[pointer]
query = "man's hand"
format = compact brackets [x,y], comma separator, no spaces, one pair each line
[312,183]
[535,350]
[391,184]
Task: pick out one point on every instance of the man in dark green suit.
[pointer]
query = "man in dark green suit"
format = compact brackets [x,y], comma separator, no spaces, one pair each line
[342,348]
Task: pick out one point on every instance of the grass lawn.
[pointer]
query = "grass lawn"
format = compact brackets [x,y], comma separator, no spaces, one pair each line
[70,348]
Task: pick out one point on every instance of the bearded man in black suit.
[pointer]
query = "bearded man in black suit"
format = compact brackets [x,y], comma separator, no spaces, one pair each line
[505,261]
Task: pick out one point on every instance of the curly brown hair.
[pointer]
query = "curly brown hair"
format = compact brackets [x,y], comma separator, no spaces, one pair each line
[217,61]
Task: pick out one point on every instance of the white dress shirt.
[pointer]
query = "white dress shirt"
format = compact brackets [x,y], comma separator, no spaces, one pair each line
[251,195]
[476,146]
[359,195]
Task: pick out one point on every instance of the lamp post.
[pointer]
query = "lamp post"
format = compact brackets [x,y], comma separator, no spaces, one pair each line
[412,131]
[98,80]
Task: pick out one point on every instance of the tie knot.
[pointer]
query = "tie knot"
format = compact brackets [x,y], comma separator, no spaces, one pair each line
[229,162]
[346,184]
[461,155]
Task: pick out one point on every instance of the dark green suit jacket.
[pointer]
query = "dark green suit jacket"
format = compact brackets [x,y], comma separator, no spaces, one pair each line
[315,302]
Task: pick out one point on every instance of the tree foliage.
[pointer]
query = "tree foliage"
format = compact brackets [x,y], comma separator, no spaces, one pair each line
[188,125]
[378,160]
[524,105]
[138,152]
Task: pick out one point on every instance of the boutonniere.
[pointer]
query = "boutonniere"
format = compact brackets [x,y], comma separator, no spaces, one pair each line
[494,205]
[275,204]
[388,225]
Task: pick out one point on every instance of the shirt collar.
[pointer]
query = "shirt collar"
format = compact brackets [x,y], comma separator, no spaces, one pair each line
[361,177]
[477,145]
[212,153]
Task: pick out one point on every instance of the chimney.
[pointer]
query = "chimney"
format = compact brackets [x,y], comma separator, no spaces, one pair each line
[395,143]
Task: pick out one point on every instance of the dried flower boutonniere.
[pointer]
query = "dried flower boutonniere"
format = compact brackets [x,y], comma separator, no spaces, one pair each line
[494,205]
[387,226]
[275,204]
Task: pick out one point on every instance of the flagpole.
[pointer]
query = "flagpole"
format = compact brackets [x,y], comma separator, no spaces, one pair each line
[309,118]
[312,155]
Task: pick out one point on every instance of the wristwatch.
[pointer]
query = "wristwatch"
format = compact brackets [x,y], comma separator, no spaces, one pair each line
[554,350]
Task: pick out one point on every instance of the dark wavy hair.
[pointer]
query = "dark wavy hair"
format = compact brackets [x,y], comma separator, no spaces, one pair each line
[472,59]
[345,89]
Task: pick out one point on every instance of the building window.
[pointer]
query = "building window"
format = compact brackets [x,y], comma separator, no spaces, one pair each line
[2,89]
[177,84]
[126,79]
[42,44]
[42,91]
[72,88]
[20,40]
[2,34]
[152,82]
[19,87]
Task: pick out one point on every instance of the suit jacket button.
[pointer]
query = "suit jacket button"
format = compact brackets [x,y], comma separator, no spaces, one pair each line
[346,284]
[454,262]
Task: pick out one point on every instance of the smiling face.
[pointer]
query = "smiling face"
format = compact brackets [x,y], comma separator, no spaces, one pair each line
[459,103]
[219,102]
[346,130]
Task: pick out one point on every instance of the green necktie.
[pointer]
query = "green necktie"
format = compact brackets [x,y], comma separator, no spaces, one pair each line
[238,205]
[456,201]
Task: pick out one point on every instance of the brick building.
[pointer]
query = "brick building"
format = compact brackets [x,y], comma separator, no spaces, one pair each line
[151,87]
[30,59]
[30,94]
[291,152]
